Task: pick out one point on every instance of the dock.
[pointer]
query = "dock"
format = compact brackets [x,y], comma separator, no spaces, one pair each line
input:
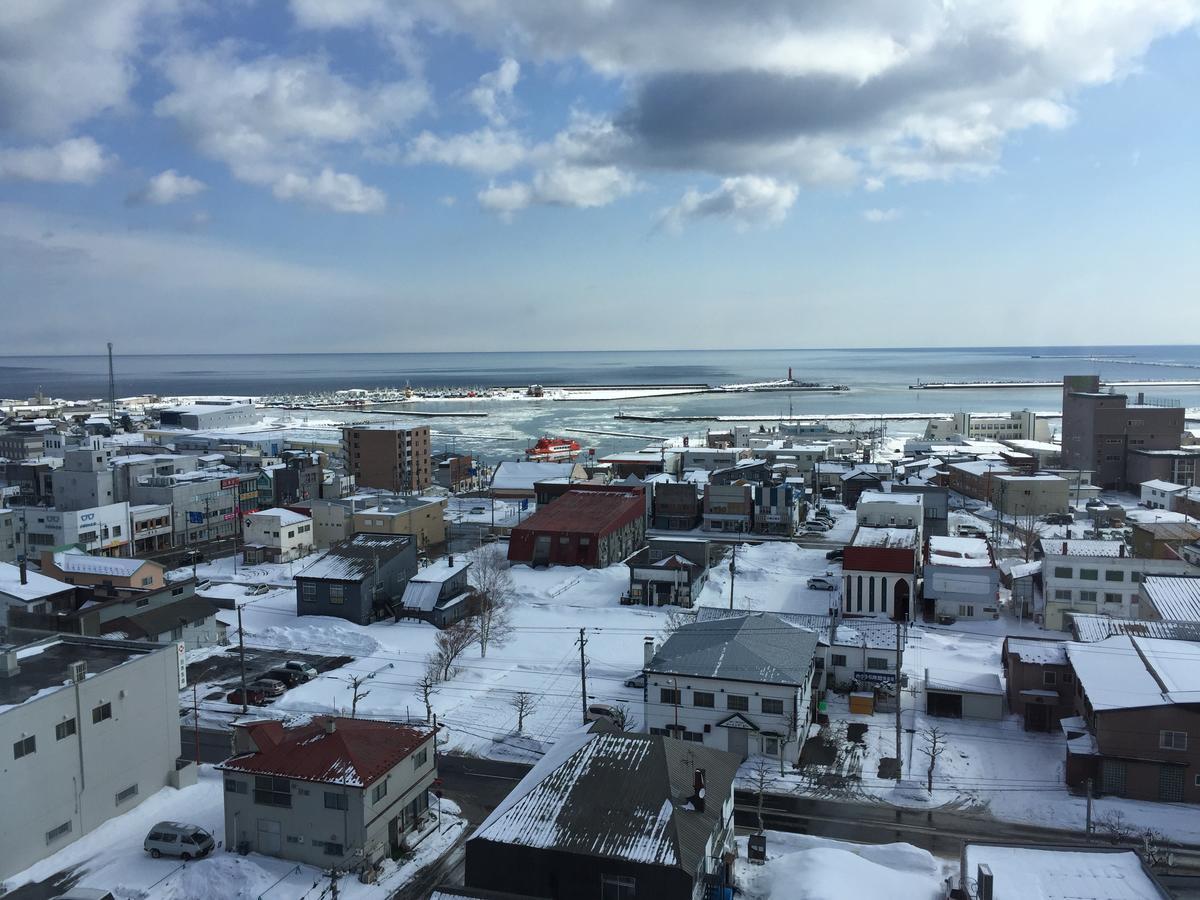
[1002,385]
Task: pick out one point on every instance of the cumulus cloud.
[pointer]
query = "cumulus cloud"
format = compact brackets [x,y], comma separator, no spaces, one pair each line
[878,216]
[73,161]
[487,151]
[166,187]
[560,184]
[493,95]
[506,199]
[745,200]
[272,119]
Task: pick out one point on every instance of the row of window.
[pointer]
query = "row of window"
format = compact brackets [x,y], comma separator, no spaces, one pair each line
[27,745]
[707,700]
[1086,596]
[855,595]
[1094,574]
[679,733]
[337,593]
[874,663]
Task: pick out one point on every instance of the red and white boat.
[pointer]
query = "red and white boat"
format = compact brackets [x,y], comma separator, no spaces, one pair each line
[552,448]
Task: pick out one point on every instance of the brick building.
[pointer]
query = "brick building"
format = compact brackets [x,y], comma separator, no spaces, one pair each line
[582,528]
[392,457]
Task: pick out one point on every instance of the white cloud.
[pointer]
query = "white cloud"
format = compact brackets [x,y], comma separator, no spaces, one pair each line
[73,161]
[873,184]
[339,191]
[878,216]
[486,150]
[493,95]
[745,200]
[506,199]
[166,187]
[447,200]
[559,184]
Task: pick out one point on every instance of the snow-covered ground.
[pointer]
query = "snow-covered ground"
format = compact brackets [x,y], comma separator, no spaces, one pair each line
[804,867]
[112,857]
[772,577]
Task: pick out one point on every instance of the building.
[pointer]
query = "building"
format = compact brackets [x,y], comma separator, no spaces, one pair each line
[89,729]
[1017,425]
[85,480]
[454,471]
[1176,465]
[1167,599]
[639,463]
[422,517]
[32,592]
[276,535]
[890,509]
[8,535]
[333,792]
[206,504]
[935,506]
[516,480]
[18,445]
[710,458]
[1135,705]
[1100,430]
[1081,576]
[206,414]
[581,528]
[1162,540]
[859,478]
[729,508]
[1160,494]
[879,573]
[973,478]
[742,685]
[675,506]
[775,509]
[439,594]
[1024,495]
[102,530]
[1039,682]
[150,527]
[608,815]
[73,566]
[1036,872]
[958,694]
[393,457]
[33,480]
[1088,629]
[961,579]
[668,571]
[359,579]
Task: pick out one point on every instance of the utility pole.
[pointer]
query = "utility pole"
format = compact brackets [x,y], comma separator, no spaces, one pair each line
[732,574]
[112,391]
[333,884]
[196,721]
[899,669]
[1089,806]
[242,657]
[583,673]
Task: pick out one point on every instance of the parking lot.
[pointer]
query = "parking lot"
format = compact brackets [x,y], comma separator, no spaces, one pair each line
[223,671]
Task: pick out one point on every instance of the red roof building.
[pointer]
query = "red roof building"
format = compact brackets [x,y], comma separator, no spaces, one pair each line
[582,528]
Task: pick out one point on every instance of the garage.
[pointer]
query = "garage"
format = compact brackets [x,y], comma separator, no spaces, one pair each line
[953,694]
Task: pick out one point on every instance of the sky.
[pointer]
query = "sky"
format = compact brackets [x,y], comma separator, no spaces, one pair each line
[183,176]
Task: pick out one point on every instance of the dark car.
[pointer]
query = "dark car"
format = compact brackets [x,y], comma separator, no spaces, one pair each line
[1058,519]
[268,686]
[254,697]
[836,553]
[289,677]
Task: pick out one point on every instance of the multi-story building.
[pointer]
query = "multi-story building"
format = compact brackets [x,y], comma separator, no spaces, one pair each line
[879,572]
[206,504]
[360,579]
[18,445]
[454,471]
[1039,681]
[728,507]
[151,527]
[1101,430]
[961,578]
[392,457]
[276,535]
[1017,425]
[104,529]
[8,535]
[1019,494]
[973,478]
[27,591]
[890,509]
[775,509]
[210,414]
[1181,466]
[422,517]
[89,728]
[675,505]
[668,571]
[582,528]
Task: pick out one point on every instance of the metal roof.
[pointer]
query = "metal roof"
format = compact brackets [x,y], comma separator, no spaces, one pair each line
[354,558]
[1090,628]
[591,512]
[1174,599]
[757,647]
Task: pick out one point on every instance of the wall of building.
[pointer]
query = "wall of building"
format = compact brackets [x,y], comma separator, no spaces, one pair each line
[1039,496]
[425,521]
[398,459]
[1115,585]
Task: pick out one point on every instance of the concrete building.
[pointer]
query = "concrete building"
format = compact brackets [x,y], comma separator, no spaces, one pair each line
[102,530]
[710,458]
[210,414]
[1030,495]
[1018,425]
[276,535]
[28,591]
[150,524]
[8,535]
[454,471]
[1039,682]
[1181,466]
[89,729]
[393,457]
[675,505]
[206,504]
[582,528]
[1160,494]
[973,478]
[961,579]
[1100,430]
[422,517]
[890,509]
[18,445]
[741,685]
[728,508]
[85,480]
[1163,540]
[775,510]
[879,573]
[360,579]
[935,506]
[333,792]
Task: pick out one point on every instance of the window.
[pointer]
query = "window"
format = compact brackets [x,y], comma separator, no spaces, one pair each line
[1087,596]
[64,730]
[332,849]
[272,791]
[144,601]
[703,698]
[1063,572]
[1068,678]
[877,663]
[24,747]
[124,795]
[618,887]
[308,593]
[177,633]
[1062,595]
[234,786]
[55,833]
[101,712]
[1172,740]
[770,746]
[669,695]
[336,594]
[965,611]
[837,659]
[380,791]
[420,757]
[772,707]
[1089,574]
[738,702]
[1112,598]
[334,800]
[1049,678]
[1114,575]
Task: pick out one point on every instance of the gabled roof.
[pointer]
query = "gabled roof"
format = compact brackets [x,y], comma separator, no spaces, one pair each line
[285,516]
[1174,599]
[1059,547]
[356,753]
[76,562]
[1053,653]
[884,538]
[586,511]
[36,586]
[153,622]
[1125,672]
[1090,628]
[354,558]
[758,647]
[617,796]
[511,476]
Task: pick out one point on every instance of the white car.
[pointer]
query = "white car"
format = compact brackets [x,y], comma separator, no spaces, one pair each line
[605,711]
[818,583]
[303,669]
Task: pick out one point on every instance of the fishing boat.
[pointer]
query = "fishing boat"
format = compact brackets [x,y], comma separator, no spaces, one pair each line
[548,448]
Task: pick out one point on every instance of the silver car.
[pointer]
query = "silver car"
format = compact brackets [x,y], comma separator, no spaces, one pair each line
[817,583]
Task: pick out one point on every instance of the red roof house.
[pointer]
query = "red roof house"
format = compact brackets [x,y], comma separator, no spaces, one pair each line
[582,528]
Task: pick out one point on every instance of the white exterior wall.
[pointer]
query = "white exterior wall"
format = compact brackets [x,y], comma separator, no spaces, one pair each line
[292,541]
[857,594]
[1113,598]
[885,513]
[1155,498]
[101,529]
[859,659]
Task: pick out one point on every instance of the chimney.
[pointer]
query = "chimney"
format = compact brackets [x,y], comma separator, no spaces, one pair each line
[21,565]
[8,663]
[647,651]
[698,790]
[983,882]
[1121,550]
[1064,548]
[330,725]
[450,560]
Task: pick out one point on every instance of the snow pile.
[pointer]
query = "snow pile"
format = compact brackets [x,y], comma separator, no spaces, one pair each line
[772,577]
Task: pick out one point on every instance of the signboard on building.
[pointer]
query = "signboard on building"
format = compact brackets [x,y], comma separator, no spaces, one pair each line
[182,648]
[195,518]
[229,482]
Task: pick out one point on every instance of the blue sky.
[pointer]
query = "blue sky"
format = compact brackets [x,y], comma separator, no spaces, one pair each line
[500,174]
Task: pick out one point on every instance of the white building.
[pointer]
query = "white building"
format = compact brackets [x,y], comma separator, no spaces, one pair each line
[1158,494]
[744,685]
[887,510]
[102,530]
[961,578]
[277,535]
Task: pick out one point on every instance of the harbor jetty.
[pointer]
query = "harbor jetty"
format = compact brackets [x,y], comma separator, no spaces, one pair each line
[998,385]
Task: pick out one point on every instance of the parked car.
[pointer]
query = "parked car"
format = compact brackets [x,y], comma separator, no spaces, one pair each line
[489,539]
[813,532]
[289,677]
[637,681]
[203,585]
[258,590]
[254,697]
[269,686]
[605,711]
[820,583]
[302,667]
[178,839]
[836,553]
[823,513]
[1058,519]
[817,524]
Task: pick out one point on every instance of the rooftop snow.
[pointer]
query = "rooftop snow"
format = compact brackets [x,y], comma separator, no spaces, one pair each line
[437,573]
[1051,653]
[520,476]
[758,647]
[1157,484]
[1174,599]
[1025,873]
[79,563]
[285,516]
[960,551]
[885,538]
[354,558]
[36,587]
[889,497]
[1125,672]
[1056,547]
[1091,628]
[958,681]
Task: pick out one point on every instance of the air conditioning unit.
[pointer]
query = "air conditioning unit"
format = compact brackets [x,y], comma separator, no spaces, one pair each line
[78,671]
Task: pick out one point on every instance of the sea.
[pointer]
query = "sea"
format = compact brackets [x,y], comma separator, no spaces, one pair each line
[878,379]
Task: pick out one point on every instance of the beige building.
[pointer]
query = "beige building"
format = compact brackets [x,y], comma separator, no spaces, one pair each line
[392,457]
[422,517]
[1017,494]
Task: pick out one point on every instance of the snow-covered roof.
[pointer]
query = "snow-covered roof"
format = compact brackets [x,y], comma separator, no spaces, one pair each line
[513,476]
[617,796]
[961,681]
[1026,873]
[981,467]
[354,558]
[79,563]
[758,647]
[865,633]
[964,552]
[36,587]
[885,538]
[1057,547]
[1017,568]
[422,595]
[437,573]
[1174,599]
[890,497]
[1090,628]
[816,622]
[1124,672]
[285,516]
[1050,653]
[1157,484]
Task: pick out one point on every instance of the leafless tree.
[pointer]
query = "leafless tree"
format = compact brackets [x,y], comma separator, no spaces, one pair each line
[1116,826]
[621,716]
[935,746]
[427,685]
[1027,532]
[495,591]
[762,780]
[523,702]
[794,724]
[450,644]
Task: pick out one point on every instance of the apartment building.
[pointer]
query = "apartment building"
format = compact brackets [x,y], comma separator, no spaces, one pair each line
[422,517]
[392,457]
[1019,494]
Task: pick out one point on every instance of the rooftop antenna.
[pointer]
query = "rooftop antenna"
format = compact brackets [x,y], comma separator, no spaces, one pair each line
[112,391]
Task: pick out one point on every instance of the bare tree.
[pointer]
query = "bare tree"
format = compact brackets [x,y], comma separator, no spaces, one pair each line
[762,780]
[450,644]
[427,685]
[495,591]
[621,716]
[1027,532]
[1116,826]
[524,703]
[935,746]
[794,723]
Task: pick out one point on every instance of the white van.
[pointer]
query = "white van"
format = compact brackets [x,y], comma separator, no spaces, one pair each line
[178,839]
